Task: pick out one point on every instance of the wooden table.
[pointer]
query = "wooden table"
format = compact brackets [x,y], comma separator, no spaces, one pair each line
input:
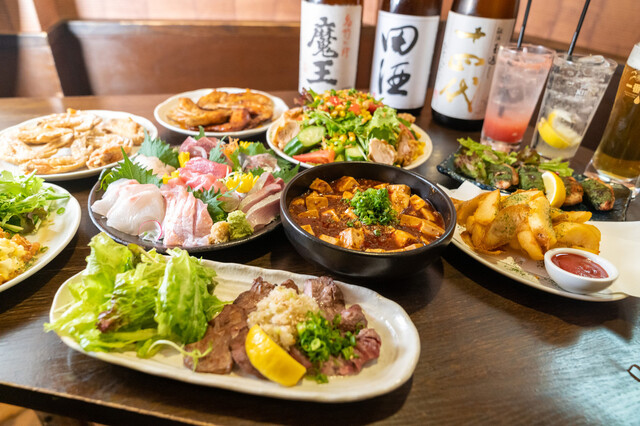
[493,350]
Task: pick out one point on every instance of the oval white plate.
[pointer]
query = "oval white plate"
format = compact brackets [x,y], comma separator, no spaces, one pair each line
[55,234]
[399,352]
[620,244]
[161,112]
[83,172]
[422,136]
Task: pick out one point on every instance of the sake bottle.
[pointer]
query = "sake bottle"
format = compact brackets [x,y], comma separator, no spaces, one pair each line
[475,29]
[405,38]
[329,42]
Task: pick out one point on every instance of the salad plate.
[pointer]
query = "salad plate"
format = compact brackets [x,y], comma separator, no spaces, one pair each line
[83,172]
[399,352]
[620,244]
[162,110]
[123,238]
[421,159]
[55,234]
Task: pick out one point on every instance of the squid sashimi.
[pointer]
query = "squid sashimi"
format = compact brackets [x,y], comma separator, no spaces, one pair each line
[186,222]
[128,204]
[154,164]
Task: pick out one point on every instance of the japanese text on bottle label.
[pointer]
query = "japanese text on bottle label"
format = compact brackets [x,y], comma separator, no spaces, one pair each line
[402,58]
[329,39]
[468,57]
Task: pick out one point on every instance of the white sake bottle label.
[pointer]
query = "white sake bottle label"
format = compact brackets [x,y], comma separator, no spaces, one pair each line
[468,57]
[402,58]
[329,40]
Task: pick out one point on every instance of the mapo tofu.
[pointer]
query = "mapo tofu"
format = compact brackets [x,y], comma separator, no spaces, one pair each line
[367,215]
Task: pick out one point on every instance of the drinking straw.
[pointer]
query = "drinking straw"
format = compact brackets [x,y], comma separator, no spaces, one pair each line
[524,24]
[575,35]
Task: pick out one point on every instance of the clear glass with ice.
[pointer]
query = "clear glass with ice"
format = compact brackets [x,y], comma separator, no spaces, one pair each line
[574,90]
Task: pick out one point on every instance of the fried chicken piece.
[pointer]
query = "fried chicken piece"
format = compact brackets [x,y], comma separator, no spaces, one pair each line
[188,114]
[259,106]
[239,119]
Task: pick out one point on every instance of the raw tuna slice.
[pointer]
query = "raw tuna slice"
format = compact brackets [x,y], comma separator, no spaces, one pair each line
[127,204]
[202,165]
[200,147]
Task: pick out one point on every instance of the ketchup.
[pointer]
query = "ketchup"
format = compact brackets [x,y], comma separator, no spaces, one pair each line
[579,265]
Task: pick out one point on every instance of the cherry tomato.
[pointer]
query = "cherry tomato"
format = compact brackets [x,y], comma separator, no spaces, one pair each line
[355,108]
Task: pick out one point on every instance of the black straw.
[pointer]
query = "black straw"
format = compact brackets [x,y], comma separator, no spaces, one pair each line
[575,35]
[524,24]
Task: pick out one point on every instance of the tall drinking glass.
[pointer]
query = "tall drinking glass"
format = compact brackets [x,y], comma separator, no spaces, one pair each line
[618,155]
[574,91]
[518,80]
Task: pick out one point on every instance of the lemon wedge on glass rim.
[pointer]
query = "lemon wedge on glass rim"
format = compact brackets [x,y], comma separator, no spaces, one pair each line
[554,189]
[555,133]
[271,360]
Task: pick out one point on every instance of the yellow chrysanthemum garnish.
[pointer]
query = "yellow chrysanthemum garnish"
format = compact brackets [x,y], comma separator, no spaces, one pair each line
[241,182]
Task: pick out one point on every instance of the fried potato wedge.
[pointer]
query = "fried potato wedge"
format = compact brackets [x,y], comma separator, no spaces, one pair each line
[529,244]
[540,223]
[578,235]
[467,208]
[521,197]
[505,226]
[488,208]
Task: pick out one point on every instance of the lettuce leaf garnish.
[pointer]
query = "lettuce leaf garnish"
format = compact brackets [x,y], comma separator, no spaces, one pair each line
[129,298]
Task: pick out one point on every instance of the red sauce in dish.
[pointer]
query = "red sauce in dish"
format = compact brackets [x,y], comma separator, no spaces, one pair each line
[579,265]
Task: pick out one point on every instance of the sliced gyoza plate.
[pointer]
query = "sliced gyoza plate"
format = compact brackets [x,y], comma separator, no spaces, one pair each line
[399,352]
[54,234]
[84,171]
[123,238]
[162,110]
[422,136]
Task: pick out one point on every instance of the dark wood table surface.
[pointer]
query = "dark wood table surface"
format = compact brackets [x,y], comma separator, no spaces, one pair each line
[492,350]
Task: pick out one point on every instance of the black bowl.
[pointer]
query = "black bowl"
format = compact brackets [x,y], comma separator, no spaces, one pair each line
[360,264]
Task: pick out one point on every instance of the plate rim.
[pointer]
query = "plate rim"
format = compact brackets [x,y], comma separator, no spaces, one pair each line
[147,245]
[407,349]
[428,148]
[152,130]
[72,206]
[159,114]
[459,243]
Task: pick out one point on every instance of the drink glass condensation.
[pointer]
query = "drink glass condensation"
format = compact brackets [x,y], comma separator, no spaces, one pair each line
[574,90]
[518,80]
[617,157]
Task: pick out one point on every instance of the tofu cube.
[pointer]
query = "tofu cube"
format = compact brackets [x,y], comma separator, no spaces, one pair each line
[308,228]
[352,238]
[316,202]
[346,183]
[321,186]
[402,238]
[310,214]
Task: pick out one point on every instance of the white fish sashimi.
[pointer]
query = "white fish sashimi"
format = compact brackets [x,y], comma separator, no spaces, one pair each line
[154,164]
[127,204]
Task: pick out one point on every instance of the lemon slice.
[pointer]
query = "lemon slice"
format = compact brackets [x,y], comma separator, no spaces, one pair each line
[271,360]
[556,130]
[554,189]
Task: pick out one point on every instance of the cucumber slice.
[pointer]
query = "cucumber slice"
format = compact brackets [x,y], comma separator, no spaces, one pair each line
[353,154]
[311,135]
[293,147]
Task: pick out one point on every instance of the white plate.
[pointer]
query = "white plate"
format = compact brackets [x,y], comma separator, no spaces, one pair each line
[55,234]
[399,352]
[162,110]
[83,172]
[620,244]
[422,136]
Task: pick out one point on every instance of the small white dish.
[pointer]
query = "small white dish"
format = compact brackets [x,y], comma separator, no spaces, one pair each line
[577,283]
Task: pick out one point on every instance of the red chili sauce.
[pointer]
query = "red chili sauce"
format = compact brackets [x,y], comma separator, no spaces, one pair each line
[579,265]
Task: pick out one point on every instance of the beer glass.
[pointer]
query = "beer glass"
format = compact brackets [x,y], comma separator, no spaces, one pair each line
[518,80]
[617,158]
[574,91]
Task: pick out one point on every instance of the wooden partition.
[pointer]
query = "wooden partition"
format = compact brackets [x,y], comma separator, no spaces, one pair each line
[27,67]
[105,57]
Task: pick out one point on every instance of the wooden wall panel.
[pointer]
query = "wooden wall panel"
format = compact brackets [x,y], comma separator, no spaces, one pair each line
[158,57]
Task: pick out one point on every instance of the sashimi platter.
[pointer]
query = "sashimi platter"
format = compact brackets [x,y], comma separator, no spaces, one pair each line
[206,194]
